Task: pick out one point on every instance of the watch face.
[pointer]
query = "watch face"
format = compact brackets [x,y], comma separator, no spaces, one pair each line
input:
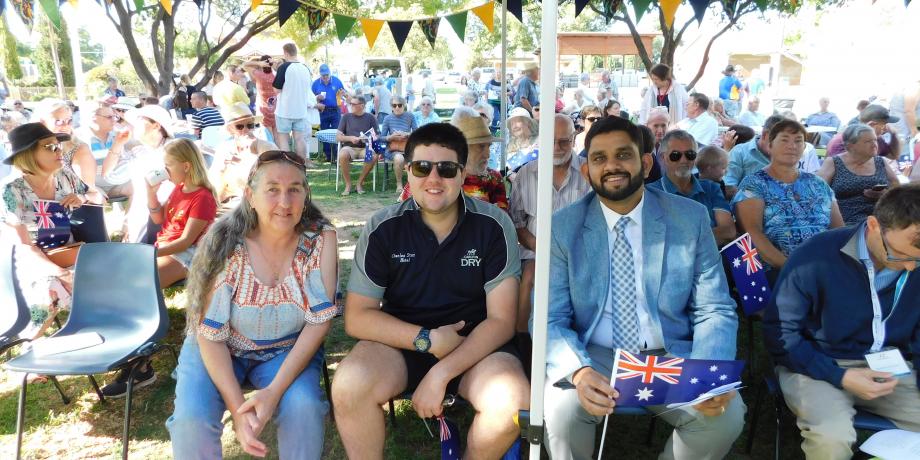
[422,344]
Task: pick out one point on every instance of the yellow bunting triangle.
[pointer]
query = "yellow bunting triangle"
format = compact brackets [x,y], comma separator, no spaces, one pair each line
[669,8]
[73,3]
[486,13]
[255,4]
[371,28]
[167,5]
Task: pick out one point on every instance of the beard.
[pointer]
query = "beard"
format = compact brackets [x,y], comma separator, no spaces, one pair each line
[633,184]
[563,160]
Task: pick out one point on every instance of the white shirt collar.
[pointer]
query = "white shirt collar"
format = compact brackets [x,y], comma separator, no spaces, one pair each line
[612,217]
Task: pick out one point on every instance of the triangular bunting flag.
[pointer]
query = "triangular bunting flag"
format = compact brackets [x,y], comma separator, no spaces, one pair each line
[315,18]
[640,6]
[458,23]
[430,29]
[286,8]
[516,7]
[400,31]
[611,7]
[343,26]
[138,4]
[669,8]
[371,29]
[699,8]
[2,6]
[52,10]
[25,9]
[255,4]
[579,6]
[906,4]
[486,14]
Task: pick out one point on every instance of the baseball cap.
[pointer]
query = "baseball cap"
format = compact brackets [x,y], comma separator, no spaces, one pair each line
[324,70]
[875,112]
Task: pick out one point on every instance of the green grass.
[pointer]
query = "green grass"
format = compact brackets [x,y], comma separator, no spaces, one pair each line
[87,428]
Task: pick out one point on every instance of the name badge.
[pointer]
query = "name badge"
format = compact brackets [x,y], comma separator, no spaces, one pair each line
[888,360]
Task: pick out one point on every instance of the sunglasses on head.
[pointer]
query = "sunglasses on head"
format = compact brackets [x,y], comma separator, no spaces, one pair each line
[446,169]
[676,154]
[240,126]
[280,155]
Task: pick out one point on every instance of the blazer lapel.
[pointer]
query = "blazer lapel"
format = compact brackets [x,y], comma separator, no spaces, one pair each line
[653,240]
[597,252]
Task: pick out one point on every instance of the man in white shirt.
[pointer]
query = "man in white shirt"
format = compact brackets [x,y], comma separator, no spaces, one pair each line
[296,111]
[699,123]
[750,117]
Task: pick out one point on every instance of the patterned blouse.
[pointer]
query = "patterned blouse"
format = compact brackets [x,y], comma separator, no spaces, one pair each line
[258,321]
[792,213]
[18,198]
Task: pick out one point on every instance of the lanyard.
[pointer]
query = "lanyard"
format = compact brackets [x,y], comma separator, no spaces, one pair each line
[878,323]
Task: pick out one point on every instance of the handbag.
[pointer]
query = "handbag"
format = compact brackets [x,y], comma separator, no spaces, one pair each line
[397,145]
[64,256]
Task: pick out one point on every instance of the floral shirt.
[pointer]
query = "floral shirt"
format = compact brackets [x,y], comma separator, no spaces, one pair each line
[18,198]
[260,322]
[489,188]
[792,213]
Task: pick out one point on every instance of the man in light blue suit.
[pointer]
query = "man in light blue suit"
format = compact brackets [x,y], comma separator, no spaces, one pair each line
[636,269]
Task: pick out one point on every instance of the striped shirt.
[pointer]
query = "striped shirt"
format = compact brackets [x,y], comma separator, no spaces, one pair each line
[204,117]
[524,196]
[393,123]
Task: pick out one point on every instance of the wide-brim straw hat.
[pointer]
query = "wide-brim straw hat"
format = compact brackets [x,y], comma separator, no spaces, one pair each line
[238,112]
[153,112]
[476,131]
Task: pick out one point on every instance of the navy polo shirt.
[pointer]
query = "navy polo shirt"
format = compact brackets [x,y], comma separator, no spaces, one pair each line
[705,192]
[398,259]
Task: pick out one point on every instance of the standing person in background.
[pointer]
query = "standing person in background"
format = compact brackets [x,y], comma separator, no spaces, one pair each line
[112,91]
[382,99]
[296,110]
[528,94]
[428,87]
[493,90]
[473,84]
[262,74]
[730,91]
[328,90]
[609,86]
[410,94]
[230,91]
[664,92]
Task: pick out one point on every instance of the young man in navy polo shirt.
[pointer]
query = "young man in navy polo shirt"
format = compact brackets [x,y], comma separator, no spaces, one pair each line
[432,300]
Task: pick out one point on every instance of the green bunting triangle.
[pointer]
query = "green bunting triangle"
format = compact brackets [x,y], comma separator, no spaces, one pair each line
[343,26]
[458,22]
[139,4]
[641,6]
[52,11]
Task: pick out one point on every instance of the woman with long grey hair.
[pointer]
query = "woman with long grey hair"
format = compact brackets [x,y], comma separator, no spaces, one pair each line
[259,304]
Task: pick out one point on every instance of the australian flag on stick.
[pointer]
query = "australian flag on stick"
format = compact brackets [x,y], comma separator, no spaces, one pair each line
[748,272]
[53,224]
[645,380]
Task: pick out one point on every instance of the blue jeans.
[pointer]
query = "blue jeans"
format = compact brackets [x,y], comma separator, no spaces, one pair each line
[195,425]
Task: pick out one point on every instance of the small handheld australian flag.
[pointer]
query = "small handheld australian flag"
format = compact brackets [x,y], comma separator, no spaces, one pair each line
[646,380]
[748,273]
[53,224]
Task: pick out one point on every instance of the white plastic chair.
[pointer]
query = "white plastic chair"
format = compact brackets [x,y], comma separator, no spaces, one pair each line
[358,161]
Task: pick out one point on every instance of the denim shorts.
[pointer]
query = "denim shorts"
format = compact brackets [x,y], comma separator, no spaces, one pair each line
[185,257]
[286,125]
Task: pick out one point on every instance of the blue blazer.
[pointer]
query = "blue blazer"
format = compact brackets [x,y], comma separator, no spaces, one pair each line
[684,281]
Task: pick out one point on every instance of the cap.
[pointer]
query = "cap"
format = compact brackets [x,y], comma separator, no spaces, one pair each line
[729,69]
[324,70]
[875,112]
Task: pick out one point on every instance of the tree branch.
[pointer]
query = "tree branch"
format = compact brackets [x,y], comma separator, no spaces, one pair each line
[742,9]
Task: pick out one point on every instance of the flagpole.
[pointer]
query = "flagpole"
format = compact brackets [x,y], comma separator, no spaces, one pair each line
[502,116]
[544,224]
[613,384]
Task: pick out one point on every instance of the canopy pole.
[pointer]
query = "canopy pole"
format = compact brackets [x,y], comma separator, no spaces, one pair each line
[544,223]
[503,97]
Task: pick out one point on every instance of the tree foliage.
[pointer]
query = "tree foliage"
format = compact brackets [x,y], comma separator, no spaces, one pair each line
[43,56]
[233,20]
[10,57]
[90,52]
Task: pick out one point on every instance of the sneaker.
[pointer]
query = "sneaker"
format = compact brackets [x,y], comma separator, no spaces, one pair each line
[119,388]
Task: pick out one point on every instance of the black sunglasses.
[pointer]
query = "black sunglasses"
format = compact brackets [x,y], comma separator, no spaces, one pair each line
[593,119]
[397,106]
[240,126]
[676,154]
[446,169]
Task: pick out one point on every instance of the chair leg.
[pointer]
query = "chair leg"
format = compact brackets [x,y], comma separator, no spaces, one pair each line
[758,399]
[779,429]
[750,347]
[392,414]
[328,388]
[92,380]
[651,431]
[20,416]
[124,436]
[60,390]
[337,175]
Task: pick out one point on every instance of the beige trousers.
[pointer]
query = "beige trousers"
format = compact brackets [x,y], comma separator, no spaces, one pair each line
[825,413]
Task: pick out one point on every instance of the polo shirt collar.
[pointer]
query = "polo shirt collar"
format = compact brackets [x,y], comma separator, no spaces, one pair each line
[856,247]
[461,213]
[671,188]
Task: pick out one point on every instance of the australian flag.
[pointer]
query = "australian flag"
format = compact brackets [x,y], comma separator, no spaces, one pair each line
[748,272]
[53,223]
[645,380]
[373,145]
[522,158]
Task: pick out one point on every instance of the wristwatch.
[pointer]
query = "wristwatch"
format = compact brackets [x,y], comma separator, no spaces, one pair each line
[422,342]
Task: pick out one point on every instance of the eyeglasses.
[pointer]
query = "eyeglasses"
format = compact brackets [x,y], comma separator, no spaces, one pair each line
[63,122]
[593,119]
[55,147]
[240,126]
[118,110]
[446,169]
[110,117]
[355,103]
[397,106]
[536,109]
[425,104]
[563,143]
[676,154]
[890,258]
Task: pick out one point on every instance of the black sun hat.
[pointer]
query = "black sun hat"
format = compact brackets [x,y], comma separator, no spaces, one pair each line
[24,137]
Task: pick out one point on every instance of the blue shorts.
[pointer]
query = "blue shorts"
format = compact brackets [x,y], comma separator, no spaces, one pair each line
[286,125]
[185,257]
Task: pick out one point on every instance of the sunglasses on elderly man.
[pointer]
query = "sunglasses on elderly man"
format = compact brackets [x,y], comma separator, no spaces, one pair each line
[676,154]
[397,106]
[63,122]
[240,126]
[446,169]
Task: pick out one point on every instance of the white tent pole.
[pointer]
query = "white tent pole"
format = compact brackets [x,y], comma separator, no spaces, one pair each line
[503,115]
[544,222]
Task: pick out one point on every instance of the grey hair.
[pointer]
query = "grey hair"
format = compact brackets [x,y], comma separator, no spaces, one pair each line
[224,236]
[398,100]
[659,111]
[485,108]
[852,133]
[48,106]
[675,135]
[463,112]
[426,99]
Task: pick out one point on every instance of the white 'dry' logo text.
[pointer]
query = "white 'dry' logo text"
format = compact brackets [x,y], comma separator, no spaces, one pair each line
[470,259]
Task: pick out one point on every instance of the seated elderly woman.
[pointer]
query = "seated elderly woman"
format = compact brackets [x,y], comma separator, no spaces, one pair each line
[717,110]
[57,116]
[780,206]
[26,217]
[522,142]
[859,176]
[260,304]
[395,131]
[234,158]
